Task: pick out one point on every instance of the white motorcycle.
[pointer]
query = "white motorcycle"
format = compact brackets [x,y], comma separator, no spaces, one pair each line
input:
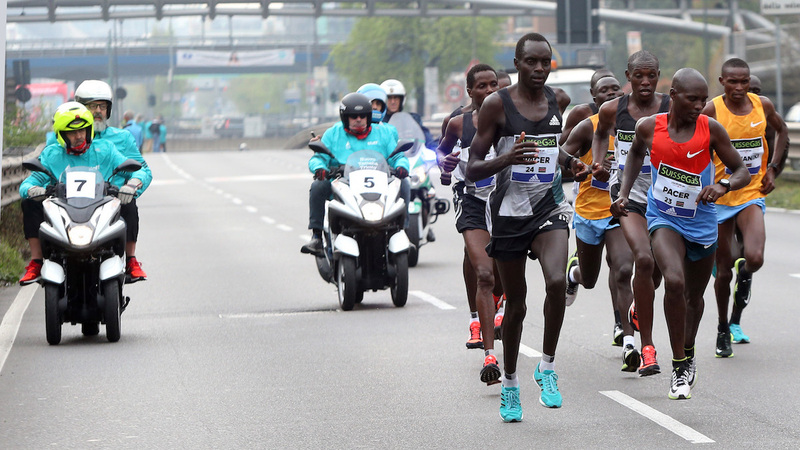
[365,247]
[83,242]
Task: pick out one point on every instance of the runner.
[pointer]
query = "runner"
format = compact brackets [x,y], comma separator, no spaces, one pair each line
[620,116]
[596,228]
[681,216]
[470,205]
[746,117]
[523,121]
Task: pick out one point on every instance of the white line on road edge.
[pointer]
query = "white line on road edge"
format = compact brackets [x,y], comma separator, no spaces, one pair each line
[431,299]
[12,319]
[529,352]
[658,417]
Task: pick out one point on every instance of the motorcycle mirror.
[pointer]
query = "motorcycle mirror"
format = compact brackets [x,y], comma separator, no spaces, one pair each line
[34,165]
[130,165]
[319,147]
[402,146]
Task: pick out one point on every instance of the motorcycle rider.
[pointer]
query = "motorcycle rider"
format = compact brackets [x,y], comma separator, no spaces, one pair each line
[395,97]
[97,97]
[353,133]
[74,146]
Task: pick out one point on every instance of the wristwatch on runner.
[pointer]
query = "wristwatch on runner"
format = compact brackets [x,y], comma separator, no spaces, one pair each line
[726,183]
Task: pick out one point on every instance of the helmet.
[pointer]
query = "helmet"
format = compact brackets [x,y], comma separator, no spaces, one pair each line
[375,92]
[394,87]
[354,104]
[72,116]
[94,90]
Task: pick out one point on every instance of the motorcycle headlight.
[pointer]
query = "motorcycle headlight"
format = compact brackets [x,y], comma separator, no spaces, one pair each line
[418,175]
[80,235]
[372,211]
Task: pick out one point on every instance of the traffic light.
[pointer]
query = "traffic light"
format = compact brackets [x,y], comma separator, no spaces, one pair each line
[22,72]
[151,100]
[580,21]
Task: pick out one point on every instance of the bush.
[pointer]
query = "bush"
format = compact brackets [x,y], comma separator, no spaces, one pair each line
[13,247]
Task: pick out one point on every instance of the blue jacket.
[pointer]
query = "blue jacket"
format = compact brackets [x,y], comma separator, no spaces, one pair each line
[133,128]
[101,154]
[342,144]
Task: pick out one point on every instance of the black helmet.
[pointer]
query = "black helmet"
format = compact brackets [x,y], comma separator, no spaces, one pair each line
[354,104]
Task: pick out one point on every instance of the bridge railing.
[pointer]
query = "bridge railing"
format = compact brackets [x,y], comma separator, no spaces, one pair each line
[13,173]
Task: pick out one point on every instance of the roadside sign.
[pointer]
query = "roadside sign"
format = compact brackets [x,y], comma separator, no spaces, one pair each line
[779,7]
[454,92]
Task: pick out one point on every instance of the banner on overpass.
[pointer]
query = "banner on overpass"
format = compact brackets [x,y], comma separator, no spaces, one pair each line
[210,58]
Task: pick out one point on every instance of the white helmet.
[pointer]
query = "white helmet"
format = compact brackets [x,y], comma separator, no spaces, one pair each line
[92,91]
[393,87]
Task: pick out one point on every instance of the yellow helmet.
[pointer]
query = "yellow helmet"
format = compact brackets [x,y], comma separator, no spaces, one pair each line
[72,116]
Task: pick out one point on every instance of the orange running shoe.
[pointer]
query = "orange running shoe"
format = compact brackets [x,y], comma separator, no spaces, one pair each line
[475,340]
[633,316]
[133,271]
[649,363]
[32,273]
[498,326]
[490,374]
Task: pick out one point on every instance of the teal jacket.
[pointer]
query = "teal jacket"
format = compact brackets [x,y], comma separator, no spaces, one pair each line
[342,144]
[101,154]
[125,143]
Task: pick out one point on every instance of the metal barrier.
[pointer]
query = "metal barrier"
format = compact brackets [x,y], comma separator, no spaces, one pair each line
[794,145]
[14,174]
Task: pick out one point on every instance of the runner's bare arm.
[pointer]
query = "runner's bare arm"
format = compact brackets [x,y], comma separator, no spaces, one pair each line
[605,125]
[490,119]
[721,143]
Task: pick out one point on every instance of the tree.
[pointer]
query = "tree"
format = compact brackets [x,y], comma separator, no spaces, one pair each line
[379,48]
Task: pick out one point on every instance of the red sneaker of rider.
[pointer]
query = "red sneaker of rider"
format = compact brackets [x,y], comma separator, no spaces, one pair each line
[32,273]
[134,269]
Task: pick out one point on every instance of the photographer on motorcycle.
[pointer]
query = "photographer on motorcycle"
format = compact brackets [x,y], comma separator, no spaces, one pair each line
[73,125]
[355,132]
[395,97]
[97,97]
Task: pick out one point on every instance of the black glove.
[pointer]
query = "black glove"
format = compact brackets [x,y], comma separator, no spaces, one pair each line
[401,172]
[321,174]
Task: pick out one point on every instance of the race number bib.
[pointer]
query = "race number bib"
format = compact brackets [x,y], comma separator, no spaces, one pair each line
[543,166]
[369,181]
[623,142]
[465,159]
[600,184]
[675,191]
[80,184]
[751,151]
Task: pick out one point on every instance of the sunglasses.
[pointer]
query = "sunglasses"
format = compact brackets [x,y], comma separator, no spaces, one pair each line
[359,116]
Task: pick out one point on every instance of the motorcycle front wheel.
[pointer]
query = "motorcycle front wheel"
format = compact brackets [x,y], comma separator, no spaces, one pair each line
[52,316]
[346,283]
[111,310]
[413,232]
[399,288]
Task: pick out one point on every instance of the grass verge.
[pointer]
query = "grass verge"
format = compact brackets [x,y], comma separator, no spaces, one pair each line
[13,247]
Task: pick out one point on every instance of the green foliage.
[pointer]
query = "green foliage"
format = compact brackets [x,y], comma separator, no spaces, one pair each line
[250,92]
[786,193]
[23,129]
[12,244]
[401,47]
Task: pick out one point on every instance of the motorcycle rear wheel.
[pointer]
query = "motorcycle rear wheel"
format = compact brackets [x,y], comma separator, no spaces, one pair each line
[399,288]
[111,310]
[52,316]
[90,328]
[346,283]
[414,224]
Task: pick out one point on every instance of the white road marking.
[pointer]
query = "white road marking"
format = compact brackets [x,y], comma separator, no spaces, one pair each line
[268,220]
[236,201]
[251,209]
[658,417]
[529,352]
[12,319]
[304,237]
[431,299]
[279,177]
[796,275]
[283,227]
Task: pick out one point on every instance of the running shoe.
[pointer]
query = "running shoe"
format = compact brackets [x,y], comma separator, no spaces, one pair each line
[633,316]
[649,363]
[630,359]
[510,407]
[475,340]
[547,381]
[617,341]
[572,287]
[724,349]
[691,375]
[498,326]
[490,374]
[679,388]
[738,335]
[32,273]
[741,290]
[133,271]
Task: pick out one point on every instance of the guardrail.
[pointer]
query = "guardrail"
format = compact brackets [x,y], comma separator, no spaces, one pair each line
[14,174]
[794,145]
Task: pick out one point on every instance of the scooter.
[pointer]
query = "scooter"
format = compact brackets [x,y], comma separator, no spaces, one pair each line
[83,243]
[424,208]
[365,247]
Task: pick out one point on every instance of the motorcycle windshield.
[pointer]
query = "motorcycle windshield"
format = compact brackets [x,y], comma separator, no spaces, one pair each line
[366,160]
[82,186]
[408,130]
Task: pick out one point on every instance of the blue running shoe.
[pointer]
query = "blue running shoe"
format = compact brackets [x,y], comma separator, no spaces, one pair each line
[738,335]
[510,408]
[547,382]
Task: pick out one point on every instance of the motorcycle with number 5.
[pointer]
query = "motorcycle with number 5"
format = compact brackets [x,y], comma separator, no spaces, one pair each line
[364,245]
[83,243]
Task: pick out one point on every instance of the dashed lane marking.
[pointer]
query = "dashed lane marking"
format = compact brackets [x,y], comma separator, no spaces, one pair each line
[432,300]
[684,431]
[268,220]
[283,227]
[279,177]
[529,352]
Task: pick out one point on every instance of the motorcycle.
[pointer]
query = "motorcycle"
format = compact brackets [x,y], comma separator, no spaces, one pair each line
[83,243]
[424,208]
[364,245]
